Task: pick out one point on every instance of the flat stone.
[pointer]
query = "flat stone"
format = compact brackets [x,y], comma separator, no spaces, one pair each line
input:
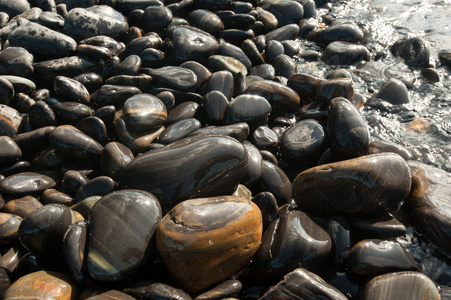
[26,182]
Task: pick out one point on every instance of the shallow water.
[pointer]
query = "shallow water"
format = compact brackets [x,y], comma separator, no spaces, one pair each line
[424,125]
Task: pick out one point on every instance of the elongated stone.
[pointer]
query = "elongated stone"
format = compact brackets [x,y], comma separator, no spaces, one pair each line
[42,40]
[372,183]
[27,183]
[204,241]
[122,225]
[214,164]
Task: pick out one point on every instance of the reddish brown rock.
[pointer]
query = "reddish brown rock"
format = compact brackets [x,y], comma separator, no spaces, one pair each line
[206,240]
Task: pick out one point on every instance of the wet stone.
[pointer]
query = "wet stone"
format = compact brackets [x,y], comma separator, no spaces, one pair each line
[157,18]
[42,40]
[379,146]
[115,156]
[223,82]
[380,226]
[227,63]
[227,49]
[414,51]
[343,53]
[252,109]
[239,131]
[373,257]
[94,127]
[178,130]
[428,204]
[144,113]
[21,84]
[116,95]
[128,216]
[335,87]
[53,196]
[292,241]
[393,91]
[284,66]
[158,291]
[273,179]
[286,12]
[281,97]
[268,206]
[347,129]
[66,66]
[215,163]
[189,43]
[9,151]
[70,90]
[26,182]
[75,143]
[43,285]
[101,185]
[340,32]
[177,78]
[22,206]
[42,231]
[305,141]
[83,23]
[265,138]
[6,91]
[13,8]
[303,284]
[9,228]
[139,81]
[283,33]
[16,61]
[222,245]
[401,286]
[215,104]
[255,165]
[75,250]
[367,184]
[340,232]
[41,115]
[228,289]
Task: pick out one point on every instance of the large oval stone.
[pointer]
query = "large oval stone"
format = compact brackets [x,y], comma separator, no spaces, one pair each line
[122,225]
[192,167]
[204,241]
[367,184]
[429,203]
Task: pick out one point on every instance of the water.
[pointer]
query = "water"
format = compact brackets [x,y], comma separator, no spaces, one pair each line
[424,125]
